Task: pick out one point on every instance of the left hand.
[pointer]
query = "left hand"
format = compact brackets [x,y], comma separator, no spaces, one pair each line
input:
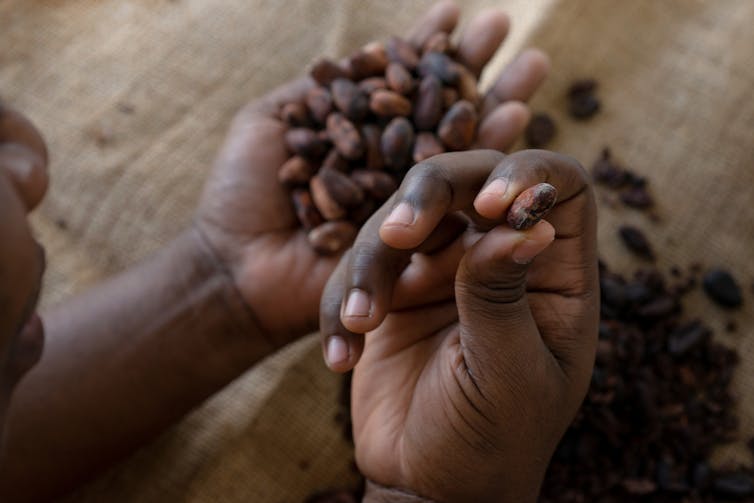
[246,215]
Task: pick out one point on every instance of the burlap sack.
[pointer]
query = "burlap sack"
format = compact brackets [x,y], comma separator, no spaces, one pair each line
[134,97]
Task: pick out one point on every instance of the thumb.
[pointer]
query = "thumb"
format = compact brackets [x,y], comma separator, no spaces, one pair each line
[499,337]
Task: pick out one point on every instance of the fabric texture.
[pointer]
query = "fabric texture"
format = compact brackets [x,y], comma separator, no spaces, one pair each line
[134,98]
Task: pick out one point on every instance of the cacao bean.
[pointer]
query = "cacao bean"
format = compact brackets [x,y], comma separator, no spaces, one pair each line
[369,61]
[439,42]
[397,142]
[341,188]
[333,160]
[296,170]
[378,184]
[372,135]
[331,237]
[426,146]
[449,97]
[402,52]
[306,212]
[531,206]
[370,85]
[344,136]
[441,66]
[319,102]
[295,115]
[458,126]
[386,103]
[399,79]
[429,103]
[323,200]
[304,142]
[349,99]
[326,70]
[467,85]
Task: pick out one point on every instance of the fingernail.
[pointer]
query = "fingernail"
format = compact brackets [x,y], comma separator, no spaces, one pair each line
[403,214]
[526,250]
[337,350]
[496,188]
[358,303]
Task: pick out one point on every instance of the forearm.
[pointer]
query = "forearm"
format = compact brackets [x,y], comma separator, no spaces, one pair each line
[122,362]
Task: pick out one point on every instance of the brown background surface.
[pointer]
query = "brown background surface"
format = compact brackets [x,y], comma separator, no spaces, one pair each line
[676,79]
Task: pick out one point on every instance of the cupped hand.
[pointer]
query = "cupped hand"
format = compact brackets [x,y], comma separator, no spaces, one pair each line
[247,218]
[479,339]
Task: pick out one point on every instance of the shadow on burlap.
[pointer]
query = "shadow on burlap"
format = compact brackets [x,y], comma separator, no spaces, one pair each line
[134,98]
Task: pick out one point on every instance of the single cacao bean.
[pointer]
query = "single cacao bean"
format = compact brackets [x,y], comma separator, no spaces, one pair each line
[306,212]
[429,103]
[449,97]
[397,142]
[399,79]
[304,142]
[378,184]
[333,160]
[439,42]
[389,104]
[370,85]
[332,237]
[531,206]
[341,188]
[319,102]
[295,115]
[326,70]
[372,135]
[349,99]
[441,66]
[468,85]
[426,146]
[402,52]
[344,136]
[296,170]
[458,126]
[371,60]
[324,201]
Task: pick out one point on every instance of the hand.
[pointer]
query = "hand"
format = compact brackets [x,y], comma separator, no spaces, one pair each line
[247,217]
[477,355]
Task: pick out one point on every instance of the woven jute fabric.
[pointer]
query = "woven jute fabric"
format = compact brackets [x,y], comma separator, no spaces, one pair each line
[134,97]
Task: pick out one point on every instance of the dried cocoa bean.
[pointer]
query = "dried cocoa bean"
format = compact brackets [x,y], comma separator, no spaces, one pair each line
[295,115]
[370,85]
[721,287]
[467,85]
[372,136]
[439,42]
[319,102]
[540,130]
[636,241]
[349,99]
[449,97]
[582,102]
[331,237]
[296,170]
[344,136]
[340,188]
[378,184]
[369,61]
[429,103]
[386,103]
[426,146]
[333,160]
[304,142]
[531,206]
[441,66]
[397,142]
[306,212]
[323,200]
[326,70]
[458,126]
[399,79]
[402,52]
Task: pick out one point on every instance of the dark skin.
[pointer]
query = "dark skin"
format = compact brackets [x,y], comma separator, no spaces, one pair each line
[209,305]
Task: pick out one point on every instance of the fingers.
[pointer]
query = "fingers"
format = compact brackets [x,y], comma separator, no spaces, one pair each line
[519,80]
[481,39]
[501,128]
[443,16]
[23,156]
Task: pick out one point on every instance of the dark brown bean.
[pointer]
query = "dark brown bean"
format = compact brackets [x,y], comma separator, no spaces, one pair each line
[531,206]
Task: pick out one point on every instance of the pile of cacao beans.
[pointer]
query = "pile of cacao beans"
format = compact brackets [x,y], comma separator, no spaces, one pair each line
[367,120]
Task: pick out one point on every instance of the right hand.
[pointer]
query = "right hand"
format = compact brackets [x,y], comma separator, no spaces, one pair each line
[475,358]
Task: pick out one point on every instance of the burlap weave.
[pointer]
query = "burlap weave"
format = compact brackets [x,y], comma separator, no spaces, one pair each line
[134,97]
